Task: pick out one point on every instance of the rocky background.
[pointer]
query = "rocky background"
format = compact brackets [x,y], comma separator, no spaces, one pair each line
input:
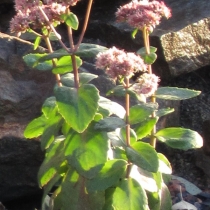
[183,44]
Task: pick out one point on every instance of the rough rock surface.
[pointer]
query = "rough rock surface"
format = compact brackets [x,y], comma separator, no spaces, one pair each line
[22,90]
[19,163]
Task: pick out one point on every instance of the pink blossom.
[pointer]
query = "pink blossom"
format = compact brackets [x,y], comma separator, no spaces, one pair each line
[140,14]
[33,18]
[62,2]
[29,15]
[118,63]
[147,84]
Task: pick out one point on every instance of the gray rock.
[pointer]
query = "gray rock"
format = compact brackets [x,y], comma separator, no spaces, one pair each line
[19,164]
[22,90]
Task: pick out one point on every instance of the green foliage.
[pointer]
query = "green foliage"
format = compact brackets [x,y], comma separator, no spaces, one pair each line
[148,58]
[174,93]
[71,20]
[96,151]
[64,65]
[180,138]
[78,107]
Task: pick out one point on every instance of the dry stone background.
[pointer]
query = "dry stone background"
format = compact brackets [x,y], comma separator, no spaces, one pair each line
[183,44]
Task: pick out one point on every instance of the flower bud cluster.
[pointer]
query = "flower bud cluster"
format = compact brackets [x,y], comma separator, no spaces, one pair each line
[29,15]
[147,84]
[118,63]
[139,14]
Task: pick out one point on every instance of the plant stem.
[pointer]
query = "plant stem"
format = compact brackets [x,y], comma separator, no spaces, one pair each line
[53,29]
[87,15]
[73,58]
[57,76]
[153,98]
[127,109]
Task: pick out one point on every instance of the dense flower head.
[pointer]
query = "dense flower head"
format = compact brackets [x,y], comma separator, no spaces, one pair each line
[118,63]
[29,16]
[147,84]
[140,14]
[62,2]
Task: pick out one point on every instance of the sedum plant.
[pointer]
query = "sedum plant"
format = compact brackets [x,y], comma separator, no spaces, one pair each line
[98,154]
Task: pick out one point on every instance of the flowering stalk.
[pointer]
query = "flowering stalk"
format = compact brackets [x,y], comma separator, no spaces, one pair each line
[127,110]
[153,99]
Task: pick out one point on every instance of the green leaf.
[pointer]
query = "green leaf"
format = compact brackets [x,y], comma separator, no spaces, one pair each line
[85,50]
[174,93]
[50,131]
[87,152]
[121,92]
[109,124]
[134,32]
[49,107]
[164,164]
[108,176]
[35,128]
[165,198]
[144,128]
[145,179]
[32,60]
[78,107]
[164,111]
[37,42]
[133,136]
[143,155]
[128,195]
[65,65]
[74,196]
[119,153]
[153,200]
[148,58]
[71,20]
[108,107]
[51,164]
[115,138]
[84,78]
[89,50]
[180,138]
[141,112]
[142,51]
[65,128]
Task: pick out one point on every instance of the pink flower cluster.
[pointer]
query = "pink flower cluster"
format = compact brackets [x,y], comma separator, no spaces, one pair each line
[118,63]
[140,14]
[147,84]
[29,16]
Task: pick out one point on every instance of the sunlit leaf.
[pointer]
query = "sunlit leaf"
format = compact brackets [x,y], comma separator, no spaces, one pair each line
[37,42]
[175,93]
[180,138]
[36,127]
[128,195]
[141,112]
[109,124]
[32,60]
[78,107]
[144,128]
[71,20]
[109,175]
[143,155]
[87,151]
[74,196]
[64,65]
[84,78]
